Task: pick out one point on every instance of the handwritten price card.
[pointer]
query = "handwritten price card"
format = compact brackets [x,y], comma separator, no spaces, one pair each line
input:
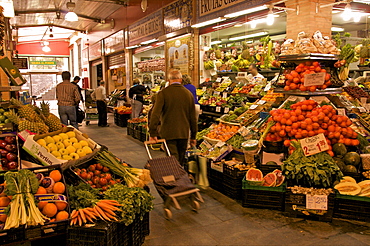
[314,145]
[314,79]
[318,202]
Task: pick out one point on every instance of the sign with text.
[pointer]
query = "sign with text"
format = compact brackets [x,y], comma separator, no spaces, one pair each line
[314,144]
[314,79]
[51,63]
[20,63]
[146,28]
[178,15]
[318,202]
[179,54]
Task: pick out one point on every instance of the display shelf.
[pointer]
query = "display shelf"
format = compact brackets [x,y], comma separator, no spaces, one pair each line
[327,91]
[311,56]
[10,88]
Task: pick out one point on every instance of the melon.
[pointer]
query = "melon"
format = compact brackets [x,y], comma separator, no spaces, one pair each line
[348,179]
[339,149]
[352,158]
[279,177]
[269,180]
[365,188]
[254,177]
[348,188]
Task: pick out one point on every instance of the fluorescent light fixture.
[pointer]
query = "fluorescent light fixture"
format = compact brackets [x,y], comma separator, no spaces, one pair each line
[335,11]
[356,17]
[216,42]
[46,48]
[253,24]
[244,12]
[337,29]
[209,22]
[249,36]
[132,47]
[45,43]
[347,13]
[71,16]
[149,41]
[270,18]
[160,43]
[238,25]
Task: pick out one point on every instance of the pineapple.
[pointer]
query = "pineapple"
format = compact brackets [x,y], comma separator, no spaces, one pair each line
[26,111]
[23,124]
[51,120]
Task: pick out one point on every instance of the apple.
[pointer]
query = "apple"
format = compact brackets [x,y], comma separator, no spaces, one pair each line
[64,151]
[71,134]
[41,141]
[56,153]
[71,149]
[74,156]
[67,157]
[63,136]
[67,142]
[12,165]
[60,145]
[4,163]
[10,147]
[84,143]
[49,139]
[81,152]
[57,138]
[77,145]
[11,157]
[3,143]
[52,147]
[87,150]
[3,152]
[10,139]
[73,140]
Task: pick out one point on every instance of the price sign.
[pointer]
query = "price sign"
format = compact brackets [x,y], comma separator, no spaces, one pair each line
[292,98]
[254,106]
[216,93]
[362,109]
[341,111]
[220,144]
[318,202]
[218,79]
[314,79]
[218,109]
[225,78]
[261,102]
[314,145]
[363,100]
[224,95]
[268,87]
[367,106]
[226,110]
[204,88]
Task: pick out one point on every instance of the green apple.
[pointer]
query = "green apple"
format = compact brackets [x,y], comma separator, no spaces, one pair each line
[84,143]
[56,153]
[64,152]
[74,156]
[81,152]
[52,147]
[49,139]
[87,150]
[73,140]
[63,136]
[41,141]
[71,134]
[67,142]
[67,157]
[71,149]
[57,138]
[77,145]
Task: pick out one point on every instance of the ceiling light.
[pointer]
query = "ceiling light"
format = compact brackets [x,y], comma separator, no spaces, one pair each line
[347,13]
[356,17]
[45,43]
[209,22]
[244,12]
[253,24]
[46,48]
[71,16]
[238,25]
[132,47]
[216,42]
[337,29]
[249,36]
[149,41]
[224,25]
[270,18]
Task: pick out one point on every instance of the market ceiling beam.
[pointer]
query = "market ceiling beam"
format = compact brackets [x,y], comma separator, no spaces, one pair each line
[119,2]
[57,11]
[40,25]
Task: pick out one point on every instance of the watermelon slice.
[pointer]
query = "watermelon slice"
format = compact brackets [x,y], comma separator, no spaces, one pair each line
[254,177]
[280,178]
[269,180]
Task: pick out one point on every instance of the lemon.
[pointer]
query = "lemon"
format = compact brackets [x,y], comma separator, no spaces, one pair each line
[71,134]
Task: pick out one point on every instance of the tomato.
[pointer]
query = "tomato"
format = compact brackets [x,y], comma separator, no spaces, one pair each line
[99,166]
[105,169]
[83,175]
[95,180]
[89,176]
[103,181]
[97,172]
[104,188]
[108,176]
[92,167]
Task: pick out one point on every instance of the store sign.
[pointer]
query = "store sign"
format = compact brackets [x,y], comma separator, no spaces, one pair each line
[180,54]
[314,144]
[210,9]
[178,15]
[147,28]
[20,63]
[152,65]
[114,43]
[51,63]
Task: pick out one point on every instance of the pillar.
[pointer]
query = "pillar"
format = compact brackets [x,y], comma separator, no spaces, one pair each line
[310,17]
[129,68]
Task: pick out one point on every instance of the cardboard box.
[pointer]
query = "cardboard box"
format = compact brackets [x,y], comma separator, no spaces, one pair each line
[46,158]
[12,71]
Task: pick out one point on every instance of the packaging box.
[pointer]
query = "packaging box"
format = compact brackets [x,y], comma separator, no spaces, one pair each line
[12,71]
[46,158]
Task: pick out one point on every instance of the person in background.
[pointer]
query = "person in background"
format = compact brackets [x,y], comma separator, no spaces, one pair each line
[186,82]
[174,109]
[68,97]
[99,95]
[255,75]
[136,93]
[75,81]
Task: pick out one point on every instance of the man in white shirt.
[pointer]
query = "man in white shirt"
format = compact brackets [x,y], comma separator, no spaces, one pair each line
[256,77]
[99,95]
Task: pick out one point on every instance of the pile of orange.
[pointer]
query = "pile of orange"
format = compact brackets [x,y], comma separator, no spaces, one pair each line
[306,119]
[223,132]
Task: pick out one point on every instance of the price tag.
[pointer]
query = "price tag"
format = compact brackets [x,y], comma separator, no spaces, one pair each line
[314,79]
[220,144]
[218,109]
[218,79]
[261,102]
[216,93]
[314,145]
[268,87]
[254,106]
[363,101]
[204,88]
[318,202]
[292,98]
[367,106]
[341,111]
[225,78]
[224,95]
[362,109]
[226,110]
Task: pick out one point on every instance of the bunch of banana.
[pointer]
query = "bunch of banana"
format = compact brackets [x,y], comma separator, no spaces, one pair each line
[241,62]
[209,65]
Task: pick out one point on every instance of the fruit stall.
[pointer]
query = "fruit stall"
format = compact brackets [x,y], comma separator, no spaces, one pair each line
[59,186]
[302,148]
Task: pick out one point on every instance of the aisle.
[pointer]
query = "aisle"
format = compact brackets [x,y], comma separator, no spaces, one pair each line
[223,221]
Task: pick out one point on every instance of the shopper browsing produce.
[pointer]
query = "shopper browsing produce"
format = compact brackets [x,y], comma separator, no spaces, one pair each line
[186,81]
[256,76]
[136,93]
[174,108]
[99,95]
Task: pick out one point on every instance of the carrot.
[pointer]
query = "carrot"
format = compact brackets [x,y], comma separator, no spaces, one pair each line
[73,221]
[97,213]
[108,211]
[74,214]
[82,214]
[89,218]
[102,213]
[79,220]
[111,202]
[103,205]
[111,217]
[90,214]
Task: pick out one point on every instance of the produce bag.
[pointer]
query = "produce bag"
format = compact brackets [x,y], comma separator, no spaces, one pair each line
[319,42]
[305,44]
[287,48]
[202,174]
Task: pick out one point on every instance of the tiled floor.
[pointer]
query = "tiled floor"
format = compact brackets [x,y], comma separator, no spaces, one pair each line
[223,221]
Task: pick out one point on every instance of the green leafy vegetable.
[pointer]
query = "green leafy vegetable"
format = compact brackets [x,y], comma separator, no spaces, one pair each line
[82,196]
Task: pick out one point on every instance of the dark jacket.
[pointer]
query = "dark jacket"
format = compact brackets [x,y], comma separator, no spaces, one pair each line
[174,108]
[79,91]
[139,91]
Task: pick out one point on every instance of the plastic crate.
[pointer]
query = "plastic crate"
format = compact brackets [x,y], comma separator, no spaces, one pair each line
[12,235]
[142,137]
[137,133]
[137,234]
[295,206]
[232,172]
[263,197]
[103,233]
[49,229]
[265,169]
[215,179]
[146,225]
[352,207]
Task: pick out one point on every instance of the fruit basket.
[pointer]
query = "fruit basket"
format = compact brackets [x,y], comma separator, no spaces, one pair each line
[9,151]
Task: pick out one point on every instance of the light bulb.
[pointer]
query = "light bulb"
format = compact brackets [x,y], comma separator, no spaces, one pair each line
[46,48]
[347,13]
[270,18]
[71,16]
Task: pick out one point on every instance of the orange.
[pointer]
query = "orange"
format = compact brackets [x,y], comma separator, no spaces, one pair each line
[42,204]
[61,205]
[3,217]
[4,201]
[55,175]
[59,188]
[62,215]
[41,190]
[50,210]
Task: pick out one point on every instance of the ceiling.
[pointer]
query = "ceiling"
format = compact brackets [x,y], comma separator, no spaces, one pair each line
[34,17]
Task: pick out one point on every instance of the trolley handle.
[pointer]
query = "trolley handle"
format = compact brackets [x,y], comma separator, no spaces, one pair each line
[146,143]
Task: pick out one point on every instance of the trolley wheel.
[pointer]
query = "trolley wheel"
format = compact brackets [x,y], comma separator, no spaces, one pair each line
[167,214]
[87,123]
[195,205]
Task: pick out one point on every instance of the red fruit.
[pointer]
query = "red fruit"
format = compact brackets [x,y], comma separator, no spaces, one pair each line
[83,175]
[92,167]
[103,181]
[97,172]
[99,166]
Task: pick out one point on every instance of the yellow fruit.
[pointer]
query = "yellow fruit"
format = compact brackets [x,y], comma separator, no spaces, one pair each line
[81,152]
[73,140]
[67,142]
[71,149]
[87,150]
[49,139]
[50,210]
[63,151]
[74,156]
[84,143]
[52,147]
[77,145]
[66,157]
[47,148]
[41,141]
[59,188]
[56,153]
[55,175]
[71,134]
[60,145]
[63,136]
[62,215]
[57,138]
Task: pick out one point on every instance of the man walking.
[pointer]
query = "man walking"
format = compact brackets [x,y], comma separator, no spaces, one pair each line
[174,109]
[99,95]
[136,93]
[68,97]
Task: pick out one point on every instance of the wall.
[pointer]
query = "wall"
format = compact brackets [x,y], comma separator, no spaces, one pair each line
[58,48]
